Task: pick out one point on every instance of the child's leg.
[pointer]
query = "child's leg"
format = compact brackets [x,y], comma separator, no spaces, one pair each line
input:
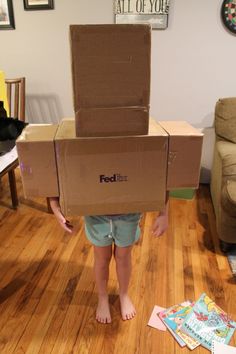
[102,257]
[123,269]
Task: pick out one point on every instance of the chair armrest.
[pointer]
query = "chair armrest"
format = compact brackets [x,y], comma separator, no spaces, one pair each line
[227,155]
[223,169]
[225,148]
[228,198]
[223,183]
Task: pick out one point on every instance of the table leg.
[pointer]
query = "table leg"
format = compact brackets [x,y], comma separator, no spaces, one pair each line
[12,183]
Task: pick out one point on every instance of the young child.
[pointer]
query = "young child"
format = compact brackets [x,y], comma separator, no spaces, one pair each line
[122,230]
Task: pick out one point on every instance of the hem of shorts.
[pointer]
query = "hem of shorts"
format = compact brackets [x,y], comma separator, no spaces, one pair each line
[99,244]
[113,241]
[129,244]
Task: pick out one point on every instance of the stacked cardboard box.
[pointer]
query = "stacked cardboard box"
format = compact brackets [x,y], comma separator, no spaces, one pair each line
[35,147]
[111,79]
[184,155]
[110,159]
[109,175]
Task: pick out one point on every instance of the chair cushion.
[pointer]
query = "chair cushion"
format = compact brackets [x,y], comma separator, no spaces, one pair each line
[225,118]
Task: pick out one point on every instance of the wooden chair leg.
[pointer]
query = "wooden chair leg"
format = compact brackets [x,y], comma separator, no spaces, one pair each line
[12,183]
[49,207]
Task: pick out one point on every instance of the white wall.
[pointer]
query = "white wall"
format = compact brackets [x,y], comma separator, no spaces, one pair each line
[39,50]
[193,61]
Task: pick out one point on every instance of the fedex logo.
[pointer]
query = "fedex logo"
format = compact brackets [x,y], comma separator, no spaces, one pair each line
[114,178]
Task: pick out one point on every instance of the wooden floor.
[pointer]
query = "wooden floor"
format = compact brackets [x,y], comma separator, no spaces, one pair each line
[47,290]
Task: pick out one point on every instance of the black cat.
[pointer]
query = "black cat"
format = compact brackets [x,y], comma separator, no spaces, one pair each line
[10,129]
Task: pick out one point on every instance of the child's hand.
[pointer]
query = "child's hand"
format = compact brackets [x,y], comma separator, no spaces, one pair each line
[160,225]
[65,224]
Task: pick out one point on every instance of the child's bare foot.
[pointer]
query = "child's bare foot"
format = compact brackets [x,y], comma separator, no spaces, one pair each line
[103,314]
[127,308]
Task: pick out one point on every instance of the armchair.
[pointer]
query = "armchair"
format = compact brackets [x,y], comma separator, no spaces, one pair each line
[223,173]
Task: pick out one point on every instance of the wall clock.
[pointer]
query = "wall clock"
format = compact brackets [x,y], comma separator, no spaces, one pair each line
[228,14]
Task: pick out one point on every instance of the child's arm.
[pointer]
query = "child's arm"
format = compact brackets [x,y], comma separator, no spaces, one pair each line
[160,225]
[65,224]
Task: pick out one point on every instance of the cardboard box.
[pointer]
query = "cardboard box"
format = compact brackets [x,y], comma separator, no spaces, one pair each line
[111,79]
[111,175]
[110,65]
[121,121]
[35,147]
[184,156]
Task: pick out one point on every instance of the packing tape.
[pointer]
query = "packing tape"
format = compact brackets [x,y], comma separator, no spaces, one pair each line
[83,146]
[121,108]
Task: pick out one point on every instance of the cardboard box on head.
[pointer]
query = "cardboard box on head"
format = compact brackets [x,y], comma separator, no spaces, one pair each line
[109,162]
[111,76]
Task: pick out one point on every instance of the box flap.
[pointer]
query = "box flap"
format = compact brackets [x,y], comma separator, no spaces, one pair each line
[38,132]
[179,128]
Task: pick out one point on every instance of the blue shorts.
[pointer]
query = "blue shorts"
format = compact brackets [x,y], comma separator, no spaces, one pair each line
[103,230]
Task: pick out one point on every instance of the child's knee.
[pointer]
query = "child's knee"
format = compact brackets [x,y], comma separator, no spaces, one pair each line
[102,258]
[102,263]
[123,254]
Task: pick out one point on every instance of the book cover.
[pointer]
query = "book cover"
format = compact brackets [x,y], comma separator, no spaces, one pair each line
[207,322]
[170,324]
[174,320]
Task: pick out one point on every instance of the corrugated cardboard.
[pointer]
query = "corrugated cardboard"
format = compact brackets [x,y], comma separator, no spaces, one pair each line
[36,154]
[184,156]
[111,175]
[110,65]
[119,121]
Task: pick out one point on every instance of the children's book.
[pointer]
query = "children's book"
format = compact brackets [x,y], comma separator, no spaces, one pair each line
[207,322]
[155,321]
[167,312]
[173,319]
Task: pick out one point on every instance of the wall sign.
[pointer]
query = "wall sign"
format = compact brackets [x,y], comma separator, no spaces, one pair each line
[154,12]
[228,14]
